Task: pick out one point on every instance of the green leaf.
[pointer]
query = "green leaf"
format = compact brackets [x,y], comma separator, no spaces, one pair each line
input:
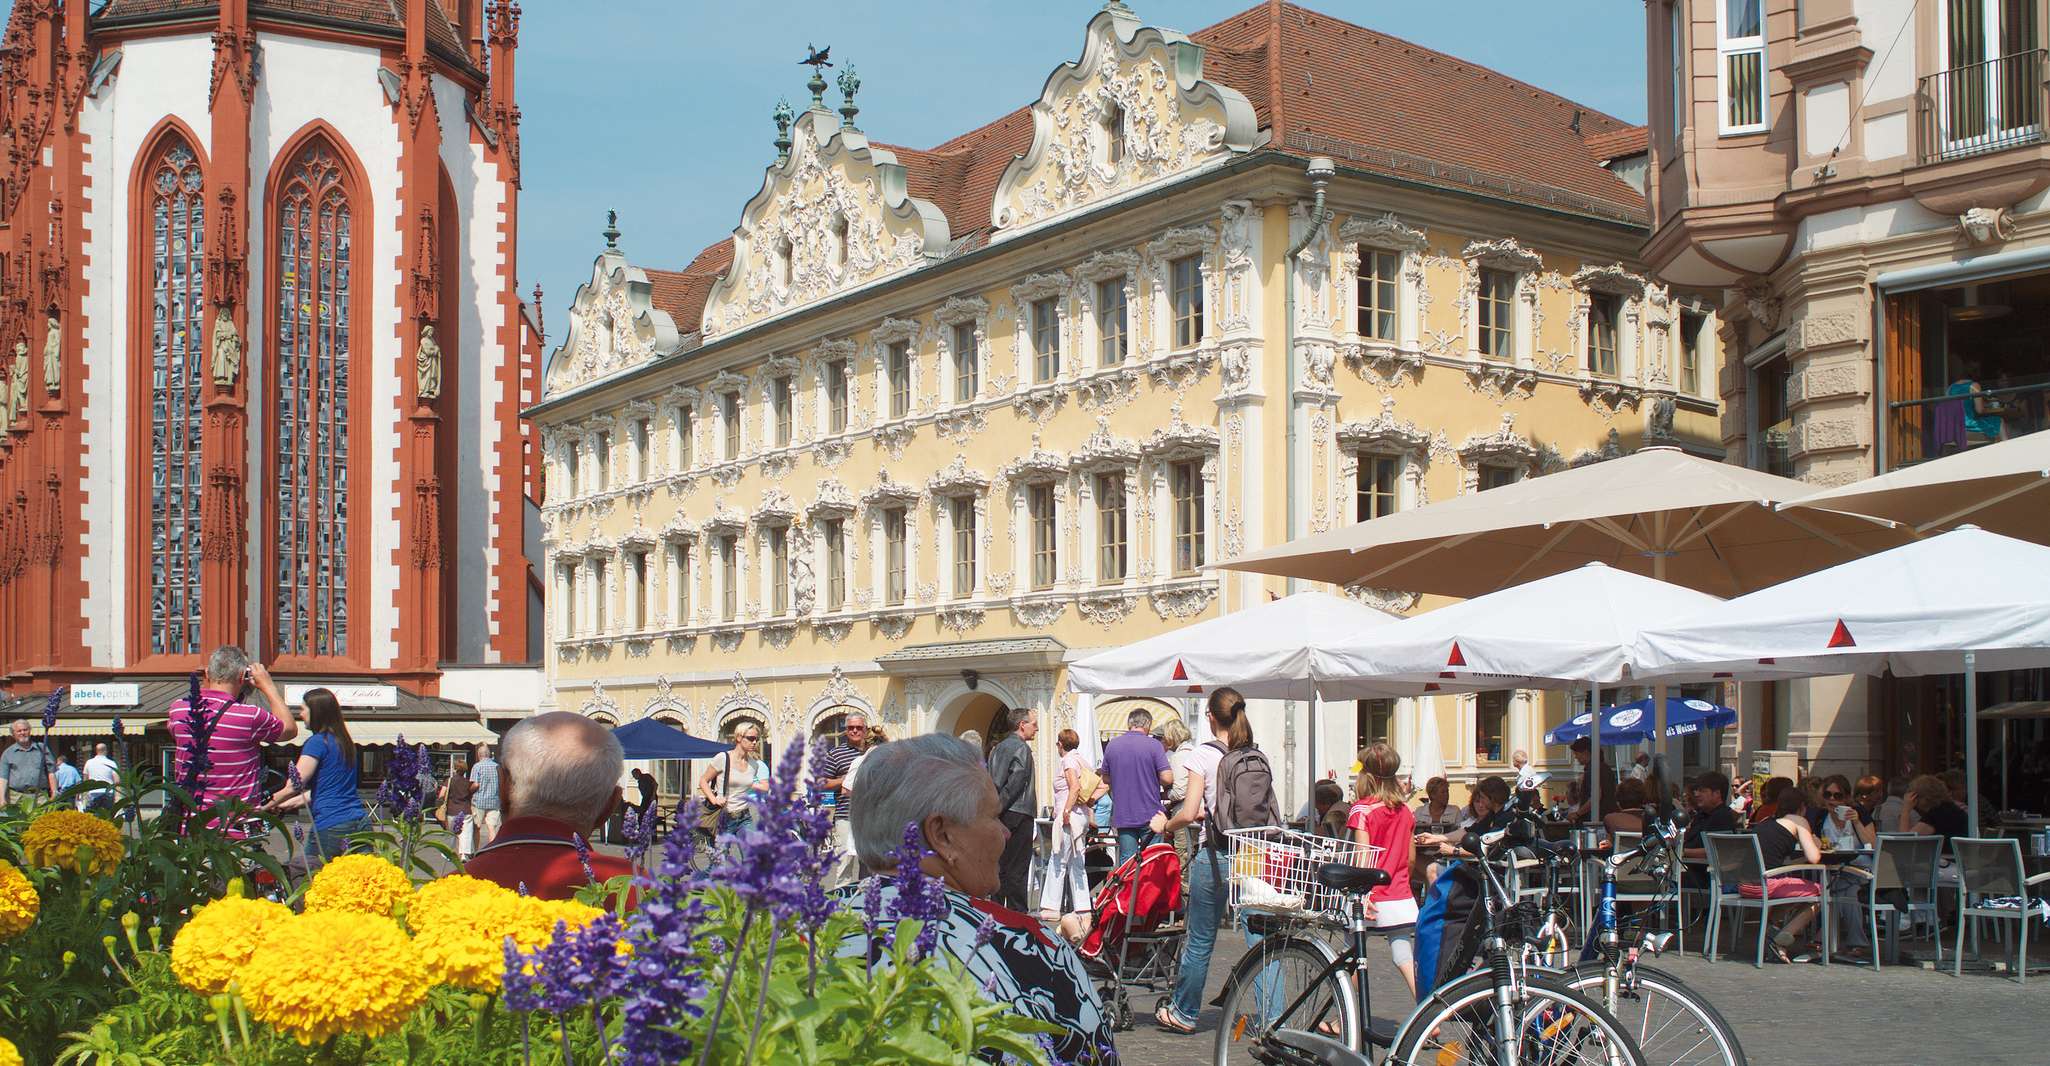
[920,1046]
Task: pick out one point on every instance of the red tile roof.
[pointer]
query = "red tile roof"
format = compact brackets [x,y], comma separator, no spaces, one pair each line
[1620,144]
[386,16]
[1373,101]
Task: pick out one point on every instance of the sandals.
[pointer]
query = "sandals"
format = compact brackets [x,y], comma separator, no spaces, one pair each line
[1164,1017]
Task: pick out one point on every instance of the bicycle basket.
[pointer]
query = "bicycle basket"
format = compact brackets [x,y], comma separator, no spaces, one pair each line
[1274,871]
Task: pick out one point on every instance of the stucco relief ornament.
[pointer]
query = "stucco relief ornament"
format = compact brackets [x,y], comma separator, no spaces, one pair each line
[427,365]
[227,350]
[1983,225]
[803,585]
[53,356]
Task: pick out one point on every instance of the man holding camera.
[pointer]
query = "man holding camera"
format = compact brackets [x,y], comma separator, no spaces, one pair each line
[235,732]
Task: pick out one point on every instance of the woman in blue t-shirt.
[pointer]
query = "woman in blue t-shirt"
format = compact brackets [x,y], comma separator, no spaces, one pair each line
[327,779]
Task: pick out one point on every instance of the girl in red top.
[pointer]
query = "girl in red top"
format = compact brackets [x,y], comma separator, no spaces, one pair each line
[1381,817]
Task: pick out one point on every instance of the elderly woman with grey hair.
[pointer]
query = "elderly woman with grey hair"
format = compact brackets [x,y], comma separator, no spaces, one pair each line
[937,784]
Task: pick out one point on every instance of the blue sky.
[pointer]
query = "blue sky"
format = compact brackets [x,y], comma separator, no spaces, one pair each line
[660,108]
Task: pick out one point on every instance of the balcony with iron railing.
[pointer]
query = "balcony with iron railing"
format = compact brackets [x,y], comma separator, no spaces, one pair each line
[1983,107]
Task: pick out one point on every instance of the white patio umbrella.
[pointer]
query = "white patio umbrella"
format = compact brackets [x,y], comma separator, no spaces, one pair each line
[1659,512]
[1564,631]
[1425,758]
[1267,651]
[1997,488]
[1958,602]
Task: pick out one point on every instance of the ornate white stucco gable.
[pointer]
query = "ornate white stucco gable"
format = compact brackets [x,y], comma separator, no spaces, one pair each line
[613,325]
[1173,119]
[789,250]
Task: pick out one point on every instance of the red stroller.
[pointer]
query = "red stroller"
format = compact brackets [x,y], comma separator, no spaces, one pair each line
[1139,930]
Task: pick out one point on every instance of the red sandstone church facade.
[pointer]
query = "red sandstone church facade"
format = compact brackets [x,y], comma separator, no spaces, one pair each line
[262,341]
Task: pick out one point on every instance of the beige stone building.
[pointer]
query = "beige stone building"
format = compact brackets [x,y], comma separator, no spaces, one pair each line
[1864,182]
[933,423]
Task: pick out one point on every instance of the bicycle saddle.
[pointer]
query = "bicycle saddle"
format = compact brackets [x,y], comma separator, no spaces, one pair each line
[1346,878]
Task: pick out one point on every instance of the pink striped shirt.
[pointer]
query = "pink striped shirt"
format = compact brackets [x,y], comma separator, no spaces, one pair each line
[234,752]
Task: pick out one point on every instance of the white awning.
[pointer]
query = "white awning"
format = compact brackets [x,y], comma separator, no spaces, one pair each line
[432,732]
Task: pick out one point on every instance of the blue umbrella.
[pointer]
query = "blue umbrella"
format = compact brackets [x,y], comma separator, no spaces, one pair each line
[1631,723]
[652,739]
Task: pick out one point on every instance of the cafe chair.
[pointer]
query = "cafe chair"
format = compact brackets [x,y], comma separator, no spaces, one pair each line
[1903,882]
[1735,859]
[1634,883]
[1991,870]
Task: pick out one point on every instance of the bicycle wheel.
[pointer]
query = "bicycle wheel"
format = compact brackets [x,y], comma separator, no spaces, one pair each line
[1553,1026]
[1272,975]
[1671,1023]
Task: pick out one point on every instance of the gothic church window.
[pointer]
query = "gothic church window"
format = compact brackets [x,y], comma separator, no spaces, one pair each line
[314,370]
[175,194]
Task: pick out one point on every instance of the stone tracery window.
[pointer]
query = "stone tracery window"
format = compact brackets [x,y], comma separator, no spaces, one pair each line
[313,366]
[177,226]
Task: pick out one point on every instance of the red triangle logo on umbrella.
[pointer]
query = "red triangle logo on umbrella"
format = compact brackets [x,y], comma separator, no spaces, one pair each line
[1841,638]
[1180,672]
[1456,658]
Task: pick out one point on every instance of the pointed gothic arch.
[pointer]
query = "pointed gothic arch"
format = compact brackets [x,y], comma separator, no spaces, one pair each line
[168,325]
[317,235]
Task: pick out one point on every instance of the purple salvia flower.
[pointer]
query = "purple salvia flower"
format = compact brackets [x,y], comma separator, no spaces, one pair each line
[520,991]
[299,832]
[50,707]
[584,856]
[119,733]
[985,932]
[455,825]
[292,777]
[776,862]
[920,897]
[575,969]
[663,985]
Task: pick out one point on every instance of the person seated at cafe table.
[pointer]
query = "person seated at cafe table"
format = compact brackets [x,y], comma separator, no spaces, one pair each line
[1632,796]
[1929,810]
[1844,824]
[1783,840]
[1765,805]
[1490,807]
[1583,754]
[1847,828]
[1709,799]
[1436,809]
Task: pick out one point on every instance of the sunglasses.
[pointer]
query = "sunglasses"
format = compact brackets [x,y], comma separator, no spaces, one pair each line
[857,729]
[745,736]
[1833,794]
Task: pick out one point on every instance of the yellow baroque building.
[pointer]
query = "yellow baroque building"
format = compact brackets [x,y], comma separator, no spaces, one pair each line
[933,423]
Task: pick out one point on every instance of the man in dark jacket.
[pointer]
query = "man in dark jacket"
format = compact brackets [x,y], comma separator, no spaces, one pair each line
[1010,765]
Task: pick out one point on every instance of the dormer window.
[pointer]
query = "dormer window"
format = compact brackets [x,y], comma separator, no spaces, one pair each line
[1113,135]
[840,240]
[784,271]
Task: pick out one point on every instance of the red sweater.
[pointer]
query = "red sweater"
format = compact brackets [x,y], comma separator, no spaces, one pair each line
[539,854]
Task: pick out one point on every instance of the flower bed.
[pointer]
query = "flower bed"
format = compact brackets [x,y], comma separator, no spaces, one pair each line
[151,941]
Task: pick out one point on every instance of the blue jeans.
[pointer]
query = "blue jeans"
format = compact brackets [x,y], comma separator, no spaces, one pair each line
[1209,872]
[334,840]
[1130,839]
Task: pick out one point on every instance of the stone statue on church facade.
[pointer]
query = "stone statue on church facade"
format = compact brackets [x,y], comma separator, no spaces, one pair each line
[227,350]
[53,355]
[427,365]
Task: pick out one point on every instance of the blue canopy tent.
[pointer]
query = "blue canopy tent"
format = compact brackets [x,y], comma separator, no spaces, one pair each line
[1631,723]
[651,739]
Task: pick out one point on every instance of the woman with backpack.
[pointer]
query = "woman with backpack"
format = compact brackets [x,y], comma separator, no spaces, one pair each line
[1237,790]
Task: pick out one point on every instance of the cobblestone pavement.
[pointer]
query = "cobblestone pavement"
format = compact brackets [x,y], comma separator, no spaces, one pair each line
[1784,1015]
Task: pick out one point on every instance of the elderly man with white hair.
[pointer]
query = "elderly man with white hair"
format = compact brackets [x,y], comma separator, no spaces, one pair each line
[558,774]
[937,784]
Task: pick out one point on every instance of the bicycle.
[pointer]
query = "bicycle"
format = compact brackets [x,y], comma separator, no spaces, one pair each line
[1515,1017]
[1672,1024]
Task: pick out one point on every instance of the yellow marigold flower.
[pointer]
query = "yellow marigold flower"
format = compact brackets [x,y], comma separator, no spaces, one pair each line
[532,922]
[326,973]
[18,903]
[459,925]
[9,1056]
[364,884]
[217,942]
[60,837]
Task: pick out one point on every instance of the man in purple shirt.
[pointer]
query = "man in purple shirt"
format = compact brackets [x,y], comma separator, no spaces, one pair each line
[1135,766]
